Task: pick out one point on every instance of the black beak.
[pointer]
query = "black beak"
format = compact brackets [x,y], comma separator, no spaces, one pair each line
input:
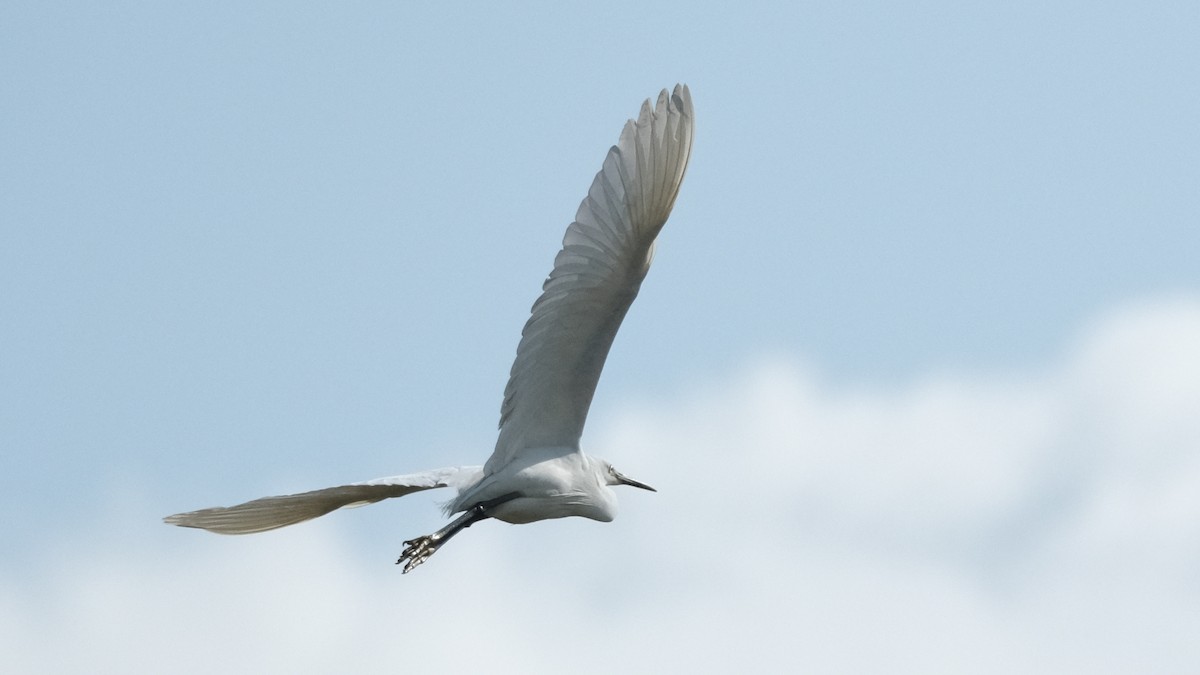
[625,480]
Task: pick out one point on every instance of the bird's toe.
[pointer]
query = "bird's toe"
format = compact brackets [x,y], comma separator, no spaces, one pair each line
[416,551]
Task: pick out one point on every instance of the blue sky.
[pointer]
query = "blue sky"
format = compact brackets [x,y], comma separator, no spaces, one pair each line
[922,322]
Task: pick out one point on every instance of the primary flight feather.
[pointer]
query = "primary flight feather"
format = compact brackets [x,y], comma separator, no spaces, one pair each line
[537,470]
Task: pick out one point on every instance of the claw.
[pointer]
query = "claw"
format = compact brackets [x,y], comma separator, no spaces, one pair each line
[416,551]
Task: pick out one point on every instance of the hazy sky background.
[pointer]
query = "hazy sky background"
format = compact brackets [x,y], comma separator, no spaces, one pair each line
[917,371]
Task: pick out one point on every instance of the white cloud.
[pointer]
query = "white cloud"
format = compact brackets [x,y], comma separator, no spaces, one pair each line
[1029,522]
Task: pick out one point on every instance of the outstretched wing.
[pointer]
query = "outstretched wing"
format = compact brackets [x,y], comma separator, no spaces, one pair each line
[606,254]
[269,513]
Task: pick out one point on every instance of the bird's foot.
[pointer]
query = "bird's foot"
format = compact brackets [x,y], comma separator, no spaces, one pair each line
[417,551]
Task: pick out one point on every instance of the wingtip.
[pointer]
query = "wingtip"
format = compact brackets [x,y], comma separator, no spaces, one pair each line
[678,98]
[182,520]
[682,98]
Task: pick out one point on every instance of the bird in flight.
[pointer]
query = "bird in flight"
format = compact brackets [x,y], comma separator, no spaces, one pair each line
[537,470]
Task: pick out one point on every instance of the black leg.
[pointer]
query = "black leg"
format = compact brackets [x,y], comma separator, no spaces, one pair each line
[418,550]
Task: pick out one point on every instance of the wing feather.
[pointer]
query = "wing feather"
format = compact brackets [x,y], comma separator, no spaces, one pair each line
[605,256]
[270,513]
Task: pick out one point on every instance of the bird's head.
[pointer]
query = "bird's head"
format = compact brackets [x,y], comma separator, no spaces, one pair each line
[614,477]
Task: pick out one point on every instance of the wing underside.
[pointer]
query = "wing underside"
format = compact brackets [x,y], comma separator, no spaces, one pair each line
[269,513]
[606,254]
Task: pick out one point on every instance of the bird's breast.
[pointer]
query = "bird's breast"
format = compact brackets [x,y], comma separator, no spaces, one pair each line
[529,509]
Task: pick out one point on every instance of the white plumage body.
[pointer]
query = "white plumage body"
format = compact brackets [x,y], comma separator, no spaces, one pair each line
[555,483]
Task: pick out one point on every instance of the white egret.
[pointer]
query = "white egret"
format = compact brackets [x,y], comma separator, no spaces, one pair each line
[537,470]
